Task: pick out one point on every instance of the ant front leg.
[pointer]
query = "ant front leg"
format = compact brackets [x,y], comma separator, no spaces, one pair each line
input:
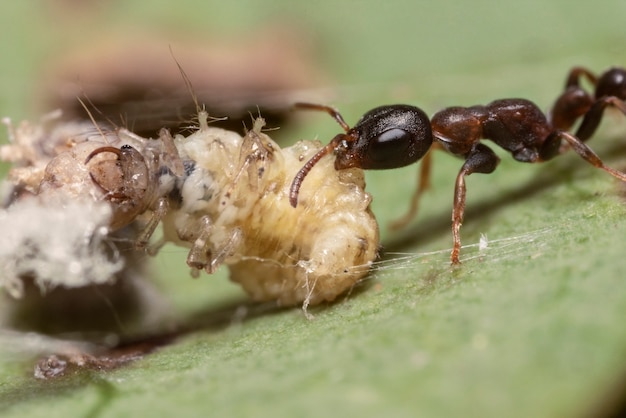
[481,159]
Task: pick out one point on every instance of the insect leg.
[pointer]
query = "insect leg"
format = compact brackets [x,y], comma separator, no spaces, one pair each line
[480,160]
[201,256]
[588,155]
[594,116]
[157,214]
[423,185]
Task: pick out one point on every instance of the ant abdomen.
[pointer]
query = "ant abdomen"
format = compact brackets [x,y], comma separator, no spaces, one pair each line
[612,83]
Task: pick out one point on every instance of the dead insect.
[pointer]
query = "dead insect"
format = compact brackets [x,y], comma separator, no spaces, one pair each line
[231,206]
[398,135]
[225,197]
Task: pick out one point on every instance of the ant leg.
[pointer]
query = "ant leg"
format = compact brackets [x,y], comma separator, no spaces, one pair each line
[423,185]
[480,160]
[594,116]
[588,155]
[573,78]
[568,107]
[574,102]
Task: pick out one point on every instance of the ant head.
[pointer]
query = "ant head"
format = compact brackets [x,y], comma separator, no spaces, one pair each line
[385,137]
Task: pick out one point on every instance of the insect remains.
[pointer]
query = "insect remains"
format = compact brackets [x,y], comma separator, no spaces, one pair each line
[398,135]
[223,196]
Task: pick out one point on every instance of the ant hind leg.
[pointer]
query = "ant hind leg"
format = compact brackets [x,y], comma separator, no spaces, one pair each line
[594,115]
[588,155]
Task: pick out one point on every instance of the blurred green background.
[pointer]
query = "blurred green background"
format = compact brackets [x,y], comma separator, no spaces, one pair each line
[531,327]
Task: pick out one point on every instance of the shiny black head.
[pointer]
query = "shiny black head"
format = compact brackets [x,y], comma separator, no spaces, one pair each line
[386,137]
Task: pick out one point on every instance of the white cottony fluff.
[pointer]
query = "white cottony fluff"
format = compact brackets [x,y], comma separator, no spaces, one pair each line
[56,243]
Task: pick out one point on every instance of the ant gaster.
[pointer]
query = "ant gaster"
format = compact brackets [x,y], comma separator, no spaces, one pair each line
[398,135]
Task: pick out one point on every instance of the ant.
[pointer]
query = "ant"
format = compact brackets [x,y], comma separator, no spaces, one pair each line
[398,135]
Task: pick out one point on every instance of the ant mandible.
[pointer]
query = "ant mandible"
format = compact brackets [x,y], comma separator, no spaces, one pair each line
[398,135]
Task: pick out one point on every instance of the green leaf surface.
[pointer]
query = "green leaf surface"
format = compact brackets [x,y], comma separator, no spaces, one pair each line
[530,325]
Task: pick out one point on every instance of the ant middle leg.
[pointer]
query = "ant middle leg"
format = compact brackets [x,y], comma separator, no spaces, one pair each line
[481,159]
[422,185]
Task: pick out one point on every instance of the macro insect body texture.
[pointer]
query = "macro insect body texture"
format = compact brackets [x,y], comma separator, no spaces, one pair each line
[222,195]
[398,135]
[47,231]
[232,206]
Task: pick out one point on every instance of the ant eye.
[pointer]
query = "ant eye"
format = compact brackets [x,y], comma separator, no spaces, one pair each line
[388,148]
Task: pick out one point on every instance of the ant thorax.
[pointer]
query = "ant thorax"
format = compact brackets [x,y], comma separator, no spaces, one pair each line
[224,196]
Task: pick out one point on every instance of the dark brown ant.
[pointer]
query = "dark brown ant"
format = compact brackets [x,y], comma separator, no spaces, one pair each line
[575,102]
[398,135]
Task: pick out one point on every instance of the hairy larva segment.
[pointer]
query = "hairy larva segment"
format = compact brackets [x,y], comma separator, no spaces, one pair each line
[305,255]
[316,251]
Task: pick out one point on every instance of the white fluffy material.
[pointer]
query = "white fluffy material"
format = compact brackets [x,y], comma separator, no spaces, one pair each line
[57,244]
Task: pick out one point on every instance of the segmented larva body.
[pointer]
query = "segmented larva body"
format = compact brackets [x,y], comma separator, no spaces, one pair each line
[238,193]
[226,197]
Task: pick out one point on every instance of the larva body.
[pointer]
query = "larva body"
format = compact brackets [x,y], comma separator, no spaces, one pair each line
[224,196]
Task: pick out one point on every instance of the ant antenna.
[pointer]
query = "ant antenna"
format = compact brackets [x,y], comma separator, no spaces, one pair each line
[294,190]
[330,110]
[332,146]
